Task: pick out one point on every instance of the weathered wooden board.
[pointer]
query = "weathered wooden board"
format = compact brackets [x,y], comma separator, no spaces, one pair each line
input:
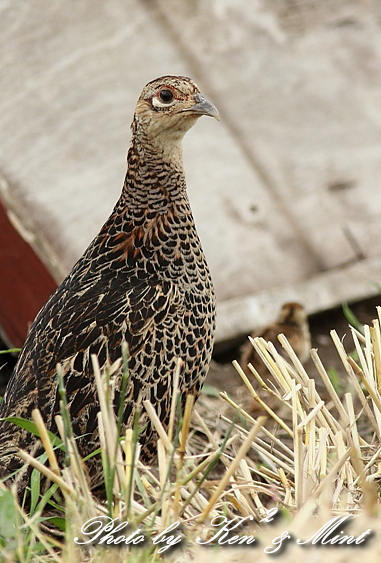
[354,282]
[285,190]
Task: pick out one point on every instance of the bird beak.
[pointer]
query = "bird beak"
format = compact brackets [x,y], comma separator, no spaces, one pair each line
[203,107]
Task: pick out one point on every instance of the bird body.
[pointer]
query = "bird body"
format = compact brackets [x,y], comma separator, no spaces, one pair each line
[143,280]
[292,321]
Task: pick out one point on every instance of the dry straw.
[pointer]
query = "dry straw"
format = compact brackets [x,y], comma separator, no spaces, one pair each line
[314,455]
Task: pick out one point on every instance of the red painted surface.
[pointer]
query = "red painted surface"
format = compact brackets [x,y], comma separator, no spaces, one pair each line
[25,283]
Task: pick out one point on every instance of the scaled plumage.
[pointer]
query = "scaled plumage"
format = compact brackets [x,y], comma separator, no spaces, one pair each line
[143,280]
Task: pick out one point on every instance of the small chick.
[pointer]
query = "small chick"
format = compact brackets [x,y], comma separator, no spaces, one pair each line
[292,321]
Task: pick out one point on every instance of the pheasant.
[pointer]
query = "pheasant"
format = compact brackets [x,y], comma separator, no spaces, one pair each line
[292,321]
[143,280]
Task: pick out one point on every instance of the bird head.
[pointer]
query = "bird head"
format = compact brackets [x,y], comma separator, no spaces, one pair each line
[168,107]
[292,313]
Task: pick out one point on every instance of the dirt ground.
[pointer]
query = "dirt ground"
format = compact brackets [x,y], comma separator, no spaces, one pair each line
[222,374]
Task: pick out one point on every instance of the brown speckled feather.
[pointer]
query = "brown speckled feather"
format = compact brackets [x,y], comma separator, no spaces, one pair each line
[143,279]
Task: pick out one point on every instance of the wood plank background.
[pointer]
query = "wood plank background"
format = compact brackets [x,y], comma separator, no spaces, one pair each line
[285,190]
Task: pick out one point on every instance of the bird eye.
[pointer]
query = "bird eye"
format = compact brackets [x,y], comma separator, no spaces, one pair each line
[166,96]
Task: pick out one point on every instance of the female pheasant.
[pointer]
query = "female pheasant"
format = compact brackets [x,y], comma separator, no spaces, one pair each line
[143,280]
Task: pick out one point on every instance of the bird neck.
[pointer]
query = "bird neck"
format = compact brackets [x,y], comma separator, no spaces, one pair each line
[155,174]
